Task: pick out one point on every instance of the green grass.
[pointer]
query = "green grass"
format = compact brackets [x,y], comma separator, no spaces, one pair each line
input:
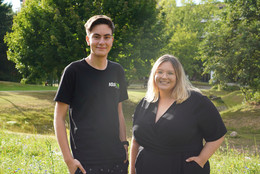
[229,160]
[198,84]
[12,86]
[29,112]
[30,153]
[35,150]
[239,117]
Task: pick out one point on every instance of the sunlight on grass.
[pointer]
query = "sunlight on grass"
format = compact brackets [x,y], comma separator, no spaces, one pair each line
[136,95]
[27,111]
[32,112]
[12,86]
[23,153]
[230,160]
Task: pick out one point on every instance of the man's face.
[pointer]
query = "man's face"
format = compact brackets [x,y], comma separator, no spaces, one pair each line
[100,40]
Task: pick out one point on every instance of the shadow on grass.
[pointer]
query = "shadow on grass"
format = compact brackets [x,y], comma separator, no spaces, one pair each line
[41,95]
[245,120]
[28,112]
[35,117]
[15,106]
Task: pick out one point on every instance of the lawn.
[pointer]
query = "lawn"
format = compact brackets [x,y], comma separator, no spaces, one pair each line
[11,86]
[27,142]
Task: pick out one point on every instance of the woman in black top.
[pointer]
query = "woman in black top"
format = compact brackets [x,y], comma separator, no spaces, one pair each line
[170,123]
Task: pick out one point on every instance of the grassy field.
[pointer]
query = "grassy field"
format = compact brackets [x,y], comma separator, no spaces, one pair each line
[27,143]
[40,154]
[11,86]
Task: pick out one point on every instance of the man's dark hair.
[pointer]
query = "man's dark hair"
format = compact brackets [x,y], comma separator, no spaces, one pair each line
[99,19]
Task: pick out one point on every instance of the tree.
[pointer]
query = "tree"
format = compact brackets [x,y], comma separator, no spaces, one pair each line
[231,46]
[41,42]
[7,68]
[47,35]
[185,29]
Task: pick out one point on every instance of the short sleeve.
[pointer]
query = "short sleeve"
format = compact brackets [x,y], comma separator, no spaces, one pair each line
[122,85]
[209,120]
[137,111]
[66,88]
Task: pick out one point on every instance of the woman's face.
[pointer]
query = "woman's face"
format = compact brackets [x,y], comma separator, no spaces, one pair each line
[165,77]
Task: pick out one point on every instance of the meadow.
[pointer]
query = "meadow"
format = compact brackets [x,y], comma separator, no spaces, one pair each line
[28,145]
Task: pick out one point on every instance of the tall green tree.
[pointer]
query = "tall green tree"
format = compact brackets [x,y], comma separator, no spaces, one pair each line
[231,46]
[42,42]
[49,34]
[7,68]
[185,30]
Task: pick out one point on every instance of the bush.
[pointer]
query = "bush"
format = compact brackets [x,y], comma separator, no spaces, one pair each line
[255,98]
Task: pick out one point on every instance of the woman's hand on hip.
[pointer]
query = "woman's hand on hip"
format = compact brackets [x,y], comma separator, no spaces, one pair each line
[198,160]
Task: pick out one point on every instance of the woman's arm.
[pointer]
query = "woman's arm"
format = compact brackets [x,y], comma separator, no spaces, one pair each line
[133,154]
[207,151]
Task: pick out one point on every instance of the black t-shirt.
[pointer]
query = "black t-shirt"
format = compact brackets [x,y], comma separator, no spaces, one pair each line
[181,128]
[93,96]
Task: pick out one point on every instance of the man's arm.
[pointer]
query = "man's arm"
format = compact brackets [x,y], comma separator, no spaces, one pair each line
[122,127]
[60,113]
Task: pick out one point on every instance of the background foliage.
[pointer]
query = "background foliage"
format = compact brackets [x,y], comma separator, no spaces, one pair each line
[47,35]
[185,30]
[231,45]
[7,68]
[219,38]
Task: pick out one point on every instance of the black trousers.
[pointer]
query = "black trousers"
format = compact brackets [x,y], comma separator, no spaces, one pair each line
[114,168]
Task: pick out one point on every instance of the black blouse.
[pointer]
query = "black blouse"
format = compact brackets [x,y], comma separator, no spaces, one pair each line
[181,128]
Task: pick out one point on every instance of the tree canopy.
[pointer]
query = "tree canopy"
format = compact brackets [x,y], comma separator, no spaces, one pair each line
[184,31]
[219,37]
[231,45]
[7,68]
[47,35]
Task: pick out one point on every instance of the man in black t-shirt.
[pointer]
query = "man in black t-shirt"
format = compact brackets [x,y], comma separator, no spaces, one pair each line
[92,90]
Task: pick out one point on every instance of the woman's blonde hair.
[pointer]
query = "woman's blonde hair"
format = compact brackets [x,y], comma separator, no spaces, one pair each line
[182,89]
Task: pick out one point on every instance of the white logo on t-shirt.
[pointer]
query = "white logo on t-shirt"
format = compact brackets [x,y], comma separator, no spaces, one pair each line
[113,84]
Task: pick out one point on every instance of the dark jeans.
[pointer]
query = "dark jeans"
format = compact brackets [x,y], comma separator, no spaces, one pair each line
[116,168]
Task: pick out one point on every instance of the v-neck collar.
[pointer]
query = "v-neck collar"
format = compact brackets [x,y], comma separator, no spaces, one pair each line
[155,109]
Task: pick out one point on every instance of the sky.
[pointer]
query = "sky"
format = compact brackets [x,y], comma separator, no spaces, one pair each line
[16,3]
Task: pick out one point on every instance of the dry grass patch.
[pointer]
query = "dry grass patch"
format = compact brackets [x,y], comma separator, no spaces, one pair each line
[27,111]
